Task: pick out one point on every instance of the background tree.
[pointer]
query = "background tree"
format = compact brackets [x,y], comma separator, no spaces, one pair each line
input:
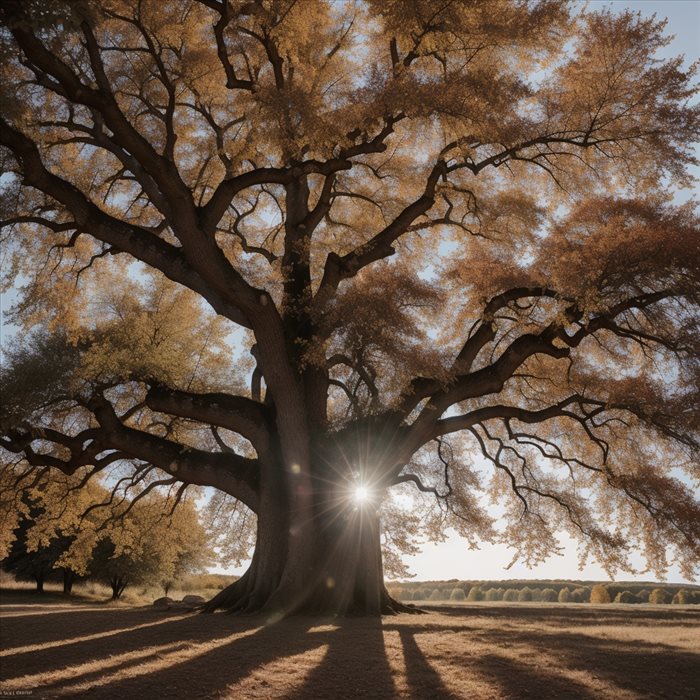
[525,594]
[457,594]
[600,594]
[151,542]
[549,595]
[564,595]
[658,597]
[434,231]
[510,595]
[33,564]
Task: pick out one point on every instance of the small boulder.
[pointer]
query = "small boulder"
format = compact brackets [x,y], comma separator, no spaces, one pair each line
[194,600]
[163,602]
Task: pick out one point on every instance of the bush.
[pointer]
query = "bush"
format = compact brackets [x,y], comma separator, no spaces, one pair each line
[437,594]
[536,595]
[600,594]
[420,594]
[525,595]
[510,595]
[625,597]
[475,593]
[658,597]
[494,594]
[643,596]
[682,597]
[581,595]
[564,595]
[457,594]
[549,595]
[405,594]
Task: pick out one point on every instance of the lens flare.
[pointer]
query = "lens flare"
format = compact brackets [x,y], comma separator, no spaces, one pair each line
[360,494]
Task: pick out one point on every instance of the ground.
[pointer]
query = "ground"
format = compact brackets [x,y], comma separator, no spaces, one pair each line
[487,650]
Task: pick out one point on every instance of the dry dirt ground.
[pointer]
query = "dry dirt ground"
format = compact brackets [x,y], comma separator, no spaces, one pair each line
[472,651]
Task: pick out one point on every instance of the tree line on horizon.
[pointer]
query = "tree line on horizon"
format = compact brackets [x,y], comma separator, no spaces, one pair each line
[547,592]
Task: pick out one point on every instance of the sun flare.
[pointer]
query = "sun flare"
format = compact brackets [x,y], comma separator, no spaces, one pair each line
[361,494]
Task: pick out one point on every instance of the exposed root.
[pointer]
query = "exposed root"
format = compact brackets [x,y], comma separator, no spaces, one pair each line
[391,606]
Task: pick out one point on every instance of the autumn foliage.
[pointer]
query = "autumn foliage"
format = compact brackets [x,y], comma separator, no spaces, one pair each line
[296,251]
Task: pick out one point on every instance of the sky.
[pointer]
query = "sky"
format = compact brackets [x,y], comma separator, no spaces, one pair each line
[452,558]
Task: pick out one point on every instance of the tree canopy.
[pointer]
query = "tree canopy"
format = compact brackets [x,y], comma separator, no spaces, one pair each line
[297,251]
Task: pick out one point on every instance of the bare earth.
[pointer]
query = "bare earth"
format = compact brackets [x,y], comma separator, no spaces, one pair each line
[472,651]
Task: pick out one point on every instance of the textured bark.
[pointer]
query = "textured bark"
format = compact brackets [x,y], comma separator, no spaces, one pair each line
[330,565]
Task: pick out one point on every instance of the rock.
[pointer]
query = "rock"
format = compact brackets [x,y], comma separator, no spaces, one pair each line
[194,600]
[163,602]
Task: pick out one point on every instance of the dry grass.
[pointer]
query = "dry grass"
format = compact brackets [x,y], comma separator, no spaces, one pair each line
[467,651]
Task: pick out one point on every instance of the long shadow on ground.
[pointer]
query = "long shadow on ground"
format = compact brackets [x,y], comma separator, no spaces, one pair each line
[503,651]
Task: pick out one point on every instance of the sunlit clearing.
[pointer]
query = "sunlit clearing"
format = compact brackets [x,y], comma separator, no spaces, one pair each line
[360,494]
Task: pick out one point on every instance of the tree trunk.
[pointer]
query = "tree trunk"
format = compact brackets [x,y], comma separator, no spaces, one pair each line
[39,578]
[331,565]
[118,584]
[68,579]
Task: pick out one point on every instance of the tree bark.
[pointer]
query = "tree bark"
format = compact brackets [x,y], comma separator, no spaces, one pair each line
[330,565]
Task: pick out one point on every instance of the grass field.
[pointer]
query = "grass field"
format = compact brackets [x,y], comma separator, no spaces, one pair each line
[54,648]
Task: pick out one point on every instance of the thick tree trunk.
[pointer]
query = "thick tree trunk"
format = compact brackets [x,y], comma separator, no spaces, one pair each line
[331,565]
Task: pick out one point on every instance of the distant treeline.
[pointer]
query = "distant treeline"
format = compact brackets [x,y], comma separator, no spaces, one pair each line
[547,591]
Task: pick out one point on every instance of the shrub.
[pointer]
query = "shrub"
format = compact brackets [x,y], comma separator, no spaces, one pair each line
[437,594]
[475,593]
[510,595]
[658,597]
[549,595]
[643,596]
[420,594]
[564,595]
[600,594]
[525,595]
[536,595]
[682,597]
[494,594]
[625,597]
[405,594]
[457,594]
[581,595]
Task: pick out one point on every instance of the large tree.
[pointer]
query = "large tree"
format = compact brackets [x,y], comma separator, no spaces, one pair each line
[442,230]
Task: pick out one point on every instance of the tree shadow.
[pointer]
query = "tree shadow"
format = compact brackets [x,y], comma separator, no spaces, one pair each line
[511,651]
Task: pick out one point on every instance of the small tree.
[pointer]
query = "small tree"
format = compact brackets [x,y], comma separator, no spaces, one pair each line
[682,597]
[658,597]
[625,597]
[510,595]
[549,595]
[494,594]
[643,595]
[149,544]
[525,595]
[600,594]
[564,595]
[475,594]
[457,594]
[437,594]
